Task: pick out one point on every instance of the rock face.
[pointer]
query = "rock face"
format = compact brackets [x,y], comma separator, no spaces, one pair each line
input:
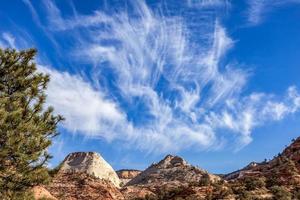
[125,175]
[90,163]
[128,173]
[40,192]
[293,152]
[240,173]
[285,167]
[171,169]
[81,186]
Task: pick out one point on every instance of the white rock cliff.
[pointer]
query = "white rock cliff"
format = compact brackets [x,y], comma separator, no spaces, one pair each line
[90,163]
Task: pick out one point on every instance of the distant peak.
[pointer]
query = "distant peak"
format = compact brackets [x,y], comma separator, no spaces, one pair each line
[128,170]
[82,153]
[169,156]
[171,161]
[171,168]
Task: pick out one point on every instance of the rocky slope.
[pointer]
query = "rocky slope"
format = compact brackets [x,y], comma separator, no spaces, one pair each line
[242,172]
[81,186]
[40,192]
[292,152]
[171,169]
[285,167]
[125,175]
[90,163]
[171,174]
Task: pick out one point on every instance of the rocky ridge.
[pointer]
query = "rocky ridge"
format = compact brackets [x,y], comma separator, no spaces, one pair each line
[171,173]
[285,167]
[171,169]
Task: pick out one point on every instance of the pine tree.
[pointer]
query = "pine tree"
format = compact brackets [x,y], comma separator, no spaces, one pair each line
[26,126]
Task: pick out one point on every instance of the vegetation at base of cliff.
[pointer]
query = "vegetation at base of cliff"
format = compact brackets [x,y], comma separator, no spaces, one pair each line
[280,193]
[249,188]
[26,125]
[54,171]
[23,195]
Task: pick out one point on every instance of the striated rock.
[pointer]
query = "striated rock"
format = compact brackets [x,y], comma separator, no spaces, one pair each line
[90,163]
[81,186]
[241,173]
[171,169]
[125,175]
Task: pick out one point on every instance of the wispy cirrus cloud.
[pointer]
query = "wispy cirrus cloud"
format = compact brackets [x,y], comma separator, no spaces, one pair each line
[157,88]
[9,39]
[208,3]
[242,115]
[258,9]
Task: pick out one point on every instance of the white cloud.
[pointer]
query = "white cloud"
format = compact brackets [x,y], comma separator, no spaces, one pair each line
[258,9]
[187,93]
[8,40]
[86,110]
[139,61]
[208,3]
[16,39]
[242,115]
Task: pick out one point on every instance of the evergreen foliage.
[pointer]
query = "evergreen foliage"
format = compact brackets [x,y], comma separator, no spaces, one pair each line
[26,126]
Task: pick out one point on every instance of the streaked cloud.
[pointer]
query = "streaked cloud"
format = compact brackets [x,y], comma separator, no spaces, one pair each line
[9,39]
[208,3]
[258,9]
[242,115]
[164,92]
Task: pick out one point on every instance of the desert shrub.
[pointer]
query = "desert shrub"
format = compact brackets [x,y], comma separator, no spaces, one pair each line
[151,197]
[22,195]
[296,193]
[280,193]
[240,191]
[205,180]
[291,167]
[221,191]
[245,195]
[252,183]
[272,181]
[178,193]
[54,171]
[169,194]
[147,197]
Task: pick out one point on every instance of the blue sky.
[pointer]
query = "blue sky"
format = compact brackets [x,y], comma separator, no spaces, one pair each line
[214,81]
